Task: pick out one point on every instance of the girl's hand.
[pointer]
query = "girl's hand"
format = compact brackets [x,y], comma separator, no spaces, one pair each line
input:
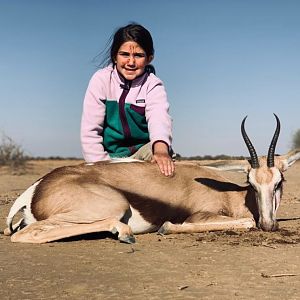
[162,158]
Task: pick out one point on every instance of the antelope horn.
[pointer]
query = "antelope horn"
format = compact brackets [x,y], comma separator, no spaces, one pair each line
[271,152]
[254,159]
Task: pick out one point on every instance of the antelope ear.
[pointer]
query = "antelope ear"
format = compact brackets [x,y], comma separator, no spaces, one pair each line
[230,165]
[290,158]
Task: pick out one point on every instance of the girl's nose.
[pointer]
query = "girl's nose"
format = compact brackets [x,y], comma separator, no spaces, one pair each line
[131,60]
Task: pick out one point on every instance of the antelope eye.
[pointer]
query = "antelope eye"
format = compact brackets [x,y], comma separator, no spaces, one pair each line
[278,185]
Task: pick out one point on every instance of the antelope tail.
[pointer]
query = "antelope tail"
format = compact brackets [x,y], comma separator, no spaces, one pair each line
[22,202]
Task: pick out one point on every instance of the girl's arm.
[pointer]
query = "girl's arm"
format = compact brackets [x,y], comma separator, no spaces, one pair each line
[160,127]
[92,122]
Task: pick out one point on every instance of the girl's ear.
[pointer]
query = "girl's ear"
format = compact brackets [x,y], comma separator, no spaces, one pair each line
[150,58]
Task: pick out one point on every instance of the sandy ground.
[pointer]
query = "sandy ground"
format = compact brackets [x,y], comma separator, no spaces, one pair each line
[221,265]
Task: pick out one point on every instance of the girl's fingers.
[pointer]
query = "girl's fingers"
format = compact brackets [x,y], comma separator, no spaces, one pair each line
[166,165]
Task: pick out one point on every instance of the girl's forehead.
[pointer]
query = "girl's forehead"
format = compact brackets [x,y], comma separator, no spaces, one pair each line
[131,47]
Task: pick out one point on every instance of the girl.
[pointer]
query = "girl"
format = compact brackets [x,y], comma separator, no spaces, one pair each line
[125,110]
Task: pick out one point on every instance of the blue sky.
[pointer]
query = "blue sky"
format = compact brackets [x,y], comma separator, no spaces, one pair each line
[220,60]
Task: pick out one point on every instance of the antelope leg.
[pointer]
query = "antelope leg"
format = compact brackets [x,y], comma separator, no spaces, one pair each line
[218,223]
[54,229]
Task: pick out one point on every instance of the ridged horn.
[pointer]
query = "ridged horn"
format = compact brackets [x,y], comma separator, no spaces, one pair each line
[271,152]
[254,159]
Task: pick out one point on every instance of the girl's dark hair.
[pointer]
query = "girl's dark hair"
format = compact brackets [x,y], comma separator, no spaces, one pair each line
[131,32]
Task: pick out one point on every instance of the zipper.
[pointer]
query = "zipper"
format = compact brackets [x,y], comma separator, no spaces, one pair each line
[122,113]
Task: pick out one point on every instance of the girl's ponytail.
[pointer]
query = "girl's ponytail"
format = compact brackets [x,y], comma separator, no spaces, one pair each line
[150,69]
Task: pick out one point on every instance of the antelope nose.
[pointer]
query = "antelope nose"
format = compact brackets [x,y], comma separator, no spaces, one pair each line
[268,226]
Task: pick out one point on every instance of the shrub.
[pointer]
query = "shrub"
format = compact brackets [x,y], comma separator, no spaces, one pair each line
[296,140]
[11,154]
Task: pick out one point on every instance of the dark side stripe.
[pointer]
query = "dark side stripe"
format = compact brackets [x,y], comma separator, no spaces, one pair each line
[155,211]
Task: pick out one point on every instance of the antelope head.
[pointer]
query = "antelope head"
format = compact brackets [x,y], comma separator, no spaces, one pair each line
[265,175]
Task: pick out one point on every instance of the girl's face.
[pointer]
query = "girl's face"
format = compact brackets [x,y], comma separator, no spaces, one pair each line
[131,60]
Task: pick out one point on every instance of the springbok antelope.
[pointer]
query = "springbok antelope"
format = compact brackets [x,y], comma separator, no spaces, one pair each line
[128,198]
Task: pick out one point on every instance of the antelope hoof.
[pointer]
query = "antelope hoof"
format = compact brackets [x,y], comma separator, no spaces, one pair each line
[7,232]
[128,239]
[165,228]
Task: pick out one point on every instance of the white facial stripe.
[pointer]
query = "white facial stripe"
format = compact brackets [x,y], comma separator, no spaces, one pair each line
[277,192]
[276,200]
[265,201]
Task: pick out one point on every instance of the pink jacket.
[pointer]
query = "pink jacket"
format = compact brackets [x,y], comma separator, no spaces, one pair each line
[147,93]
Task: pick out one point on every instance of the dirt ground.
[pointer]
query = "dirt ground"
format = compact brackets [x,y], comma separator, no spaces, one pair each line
[220,265]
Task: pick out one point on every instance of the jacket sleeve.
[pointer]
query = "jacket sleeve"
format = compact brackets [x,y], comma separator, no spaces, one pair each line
[157,114]
[92,121]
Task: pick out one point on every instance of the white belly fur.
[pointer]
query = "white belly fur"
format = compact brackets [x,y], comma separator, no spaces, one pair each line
[138,224]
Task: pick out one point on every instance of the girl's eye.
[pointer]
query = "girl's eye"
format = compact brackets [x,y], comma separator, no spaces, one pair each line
[139,55]
[124,54]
